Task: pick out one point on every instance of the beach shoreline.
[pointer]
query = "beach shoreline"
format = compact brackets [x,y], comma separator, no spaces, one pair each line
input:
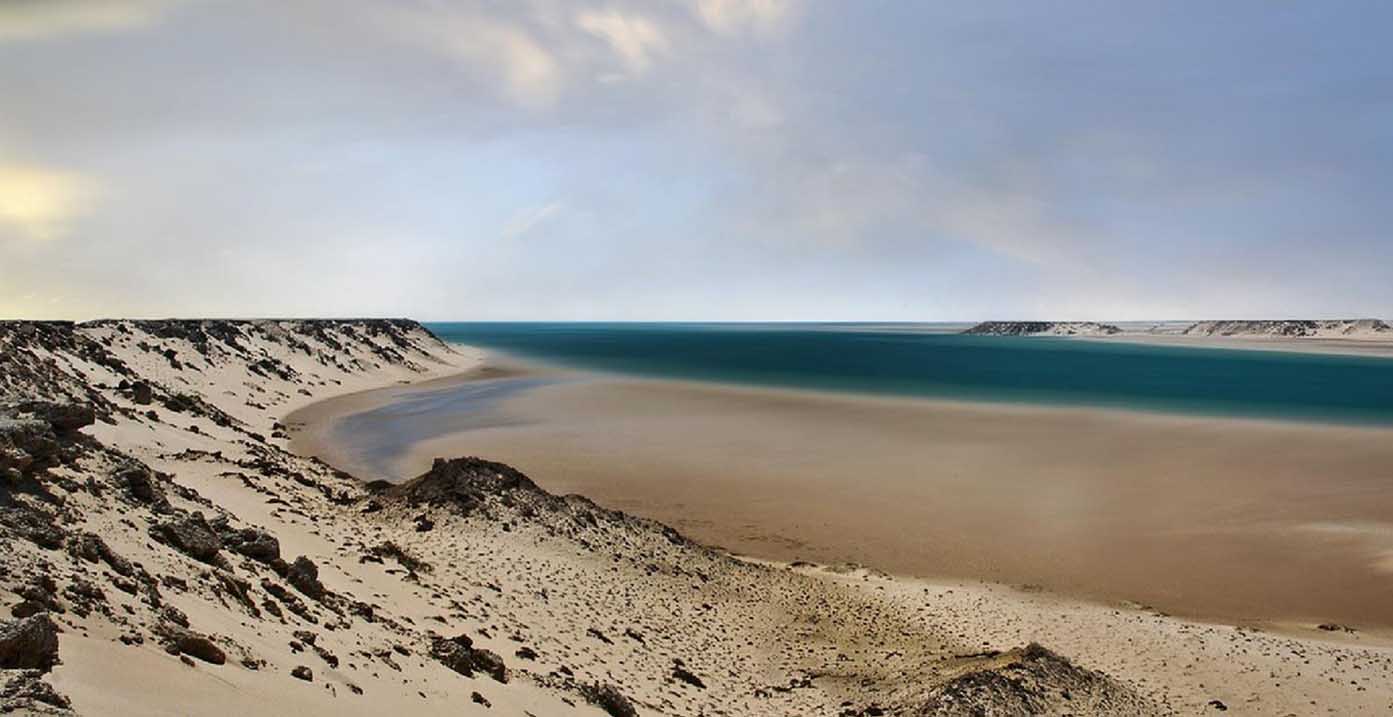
[475,590]
[653,448]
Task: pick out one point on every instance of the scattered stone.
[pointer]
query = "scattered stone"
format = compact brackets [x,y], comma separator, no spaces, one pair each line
[302,672]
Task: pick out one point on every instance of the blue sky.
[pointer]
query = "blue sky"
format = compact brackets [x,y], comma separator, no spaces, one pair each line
[695,159]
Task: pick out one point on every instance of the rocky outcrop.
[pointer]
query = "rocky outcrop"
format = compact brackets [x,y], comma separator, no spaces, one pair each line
[23,692]
[29,644]
[609,699]
[303,574]
[1294,328]
[1031,681]
[35,435]
[459,654]
[190,534]
[1042,328]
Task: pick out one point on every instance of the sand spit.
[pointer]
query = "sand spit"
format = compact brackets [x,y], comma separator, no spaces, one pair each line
[1360,337]
[187,563]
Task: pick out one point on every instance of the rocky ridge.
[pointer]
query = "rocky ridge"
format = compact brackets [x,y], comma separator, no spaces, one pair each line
[1294,328]
[1042,328]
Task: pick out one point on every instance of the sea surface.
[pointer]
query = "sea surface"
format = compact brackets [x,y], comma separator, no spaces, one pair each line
[932,360]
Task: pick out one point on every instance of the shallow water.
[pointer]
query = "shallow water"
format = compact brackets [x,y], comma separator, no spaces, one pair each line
[930,361]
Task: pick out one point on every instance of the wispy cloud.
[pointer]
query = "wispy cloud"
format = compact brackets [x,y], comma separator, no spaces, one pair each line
[529,219]
[634,38]
[31,20]
[730,16]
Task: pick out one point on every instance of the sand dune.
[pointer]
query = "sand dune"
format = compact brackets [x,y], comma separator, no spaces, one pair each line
[152,513]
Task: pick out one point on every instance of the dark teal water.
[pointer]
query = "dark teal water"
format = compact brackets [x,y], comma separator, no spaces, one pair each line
[907,360]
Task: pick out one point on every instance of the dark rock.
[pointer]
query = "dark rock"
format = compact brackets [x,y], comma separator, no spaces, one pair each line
[30,643]
[1031,680]
[302,673]
[174,615]
[459,654]
[303,575]
[479,699]
[462,482]
[609,699]
[391,550]
[190,534]
[141,393]
[254,543]
[64,417]
[193,644]
[292,603]
[24,692]
[27,608]
[680,672]
[26,445]
[140,482]
[91,547]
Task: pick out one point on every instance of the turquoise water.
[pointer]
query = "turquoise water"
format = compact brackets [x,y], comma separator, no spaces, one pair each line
[928,361]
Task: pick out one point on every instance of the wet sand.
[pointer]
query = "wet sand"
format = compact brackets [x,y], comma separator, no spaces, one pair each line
[1241,521]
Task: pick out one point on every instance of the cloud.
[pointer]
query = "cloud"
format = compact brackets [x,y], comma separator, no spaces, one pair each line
[635,39]
[34,20]
[733,16]
[38,204]
[499,45]
[525,221]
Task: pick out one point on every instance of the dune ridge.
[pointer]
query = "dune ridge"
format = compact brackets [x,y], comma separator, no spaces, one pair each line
[167,554]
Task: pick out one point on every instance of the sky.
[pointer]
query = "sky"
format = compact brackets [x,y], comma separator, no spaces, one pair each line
[696,159]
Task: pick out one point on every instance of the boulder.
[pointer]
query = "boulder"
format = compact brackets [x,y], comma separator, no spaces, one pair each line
[26,444]
[30,643]
[609,699]
[303,574]
[254,543]
[459,654]
[185,642]
[140,482]
[141,393]
[64,417]
[191,535]
[302,673]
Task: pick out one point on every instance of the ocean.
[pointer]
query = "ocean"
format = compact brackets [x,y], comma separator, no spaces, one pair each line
[933,361]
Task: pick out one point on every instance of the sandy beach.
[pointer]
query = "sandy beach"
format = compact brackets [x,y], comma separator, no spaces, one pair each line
[179,537]
[1242,521]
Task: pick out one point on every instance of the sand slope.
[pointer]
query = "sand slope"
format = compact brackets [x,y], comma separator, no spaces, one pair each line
[194,566]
